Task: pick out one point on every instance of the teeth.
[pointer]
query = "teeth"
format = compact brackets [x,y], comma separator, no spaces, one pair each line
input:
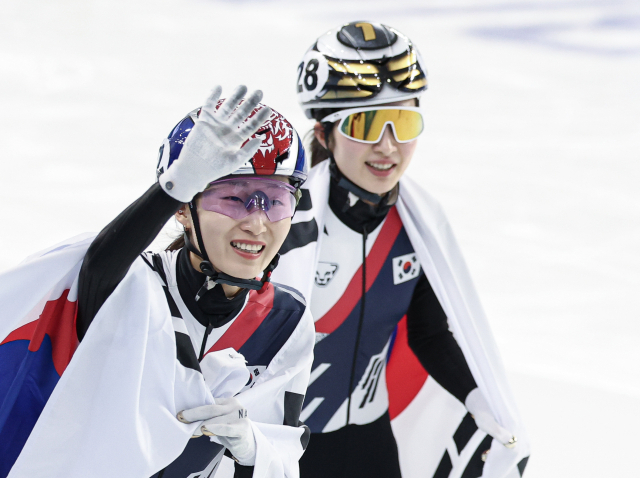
[253,248]
[381,167]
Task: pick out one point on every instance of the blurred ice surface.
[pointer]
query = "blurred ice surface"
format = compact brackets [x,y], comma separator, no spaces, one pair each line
[532,145]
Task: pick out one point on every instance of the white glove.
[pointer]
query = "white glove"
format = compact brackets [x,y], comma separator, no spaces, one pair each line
[213,148]
[481,413]
[228,420]
[225,373]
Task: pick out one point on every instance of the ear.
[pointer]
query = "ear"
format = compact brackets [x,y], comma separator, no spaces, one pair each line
[318,132]
[183,216]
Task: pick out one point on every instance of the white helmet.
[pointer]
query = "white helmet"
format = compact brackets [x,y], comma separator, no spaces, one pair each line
[359,64]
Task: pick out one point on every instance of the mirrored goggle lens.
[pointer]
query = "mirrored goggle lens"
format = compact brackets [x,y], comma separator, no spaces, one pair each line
[368,126]
[237,198]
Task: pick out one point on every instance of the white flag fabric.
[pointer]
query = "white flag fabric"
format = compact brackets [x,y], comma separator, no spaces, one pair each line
[113,410]
[425,425]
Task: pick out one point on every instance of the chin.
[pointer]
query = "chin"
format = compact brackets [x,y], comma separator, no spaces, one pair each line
[244,273]
[381,187]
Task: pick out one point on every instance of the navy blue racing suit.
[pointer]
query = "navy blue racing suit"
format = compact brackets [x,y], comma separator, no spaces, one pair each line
[346,405]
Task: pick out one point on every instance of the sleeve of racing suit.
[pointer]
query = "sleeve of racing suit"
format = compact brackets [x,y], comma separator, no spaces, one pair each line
[433,343]
[116,247]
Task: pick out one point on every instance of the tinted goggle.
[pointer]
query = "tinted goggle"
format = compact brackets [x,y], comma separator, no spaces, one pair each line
[366,125]
[237,198]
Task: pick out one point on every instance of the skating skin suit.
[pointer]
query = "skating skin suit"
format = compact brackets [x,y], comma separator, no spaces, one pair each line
[346,406]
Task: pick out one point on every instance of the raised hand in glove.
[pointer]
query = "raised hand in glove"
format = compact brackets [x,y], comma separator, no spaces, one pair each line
[228,420]
[481,413]
[214,148]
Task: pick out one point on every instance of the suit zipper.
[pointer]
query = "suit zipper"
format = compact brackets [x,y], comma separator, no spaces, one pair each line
[204,340]
[360,321]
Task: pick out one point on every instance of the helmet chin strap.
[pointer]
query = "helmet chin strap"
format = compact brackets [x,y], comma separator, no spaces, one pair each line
[214,277]
[342,180]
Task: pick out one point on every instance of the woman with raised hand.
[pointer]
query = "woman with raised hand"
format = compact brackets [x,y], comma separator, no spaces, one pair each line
[392,300]
[119,362]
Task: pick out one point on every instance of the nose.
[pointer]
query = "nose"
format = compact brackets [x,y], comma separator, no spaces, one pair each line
[255,223]
[387,143]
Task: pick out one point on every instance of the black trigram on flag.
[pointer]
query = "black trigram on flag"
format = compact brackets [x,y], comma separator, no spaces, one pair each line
[455,461]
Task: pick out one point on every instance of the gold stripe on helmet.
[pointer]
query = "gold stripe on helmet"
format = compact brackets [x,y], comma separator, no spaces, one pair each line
[404,62]
[355,81]
[416,85]
[353,68]
[411,74]
[339,94]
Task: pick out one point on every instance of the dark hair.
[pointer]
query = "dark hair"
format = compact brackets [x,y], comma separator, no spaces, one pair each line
[318,152]
[176,244]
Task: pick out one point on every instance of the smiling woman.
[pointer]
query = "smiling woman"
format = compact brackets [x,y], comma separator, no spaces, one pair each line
[251,207]
[183,355]
[393,305]
[226,218]
[372,155]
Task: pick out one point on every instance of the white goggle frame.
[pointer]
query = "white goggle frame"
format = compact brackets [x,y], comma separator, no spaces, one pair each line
[344,114]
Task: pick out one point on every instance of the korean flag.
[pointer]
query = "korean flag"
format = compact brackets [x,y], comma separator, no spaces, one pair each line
[405,268]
